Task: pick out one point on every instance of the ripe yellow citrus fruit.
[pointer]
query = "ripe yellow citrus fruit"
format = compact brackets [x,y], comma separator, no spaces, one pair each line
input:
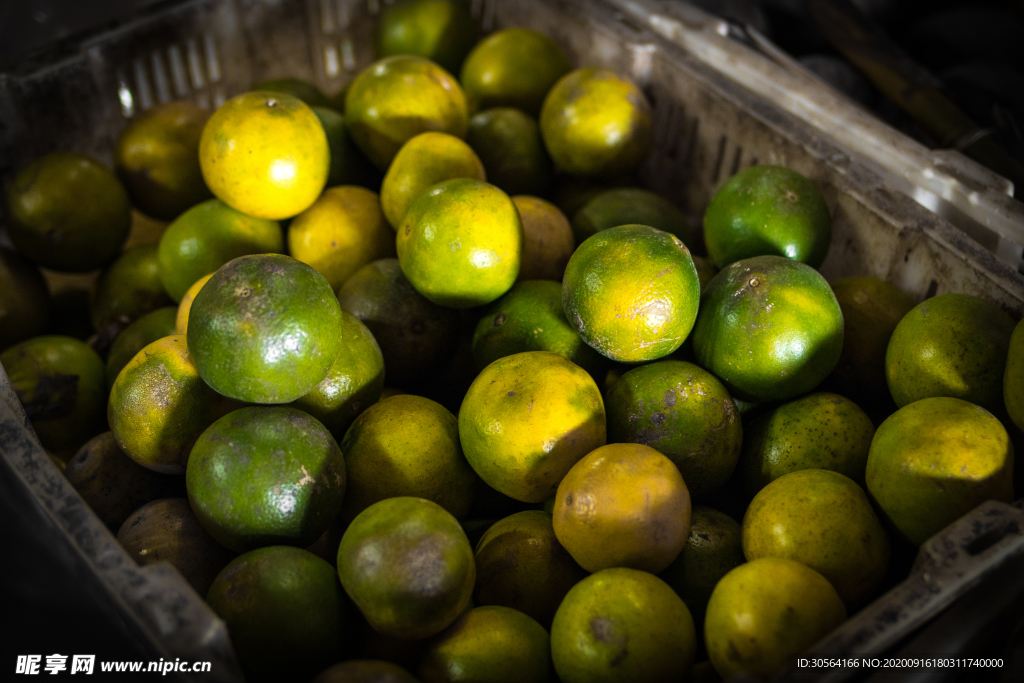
[623,505]
[181,319]
[343,231]
[265,154]
[527,419]
[631,293]
[596,124]
[425,160]
[144,331]
[395,99]
[460,243]
[159,405]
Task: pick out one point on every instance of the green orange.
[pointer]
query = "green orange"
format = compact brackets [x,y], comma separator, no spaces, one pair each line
[631,292]
[515,67]
[166,530]
[769,327]
[415,335]
[146,330]
[265,154]
[68,212]
[713,548]
[547,239]
[129,288]
[509,145]
[157,159]
[490,643]
[766,210]
[62,386]
[206,237]
[340,233]
[871,310]
[185,305]
[622,625]
[24,299]
[950,345]
[425,160]
[824,520]
[442,31]
[625,205]
[265,475]
[596,124]
[264,329]
[763,612]
[818,431]
[406,446]
[285,612]
[520,564]
[529,317]
[935,460]
[622,505]
[684,413]
[407,565]
[113,484]
[353,382]
[1013,377]
[527,419]
[159,406]
[396,98]
[460,243]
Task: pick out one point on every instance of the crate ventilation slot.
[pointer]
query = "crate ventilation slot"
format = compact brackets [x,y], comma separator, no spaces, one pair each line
[178,72]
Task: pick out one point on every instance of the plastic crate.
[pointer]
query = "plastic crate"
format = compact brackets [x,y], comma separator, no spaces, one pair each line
[707,126]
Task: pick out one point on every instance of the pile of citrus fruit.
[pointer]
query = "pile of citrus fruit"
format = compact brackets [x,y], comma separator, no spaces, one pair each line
[417,384]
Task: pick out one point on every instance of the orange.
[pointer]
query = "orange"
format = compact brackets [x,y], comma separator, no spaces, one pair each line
[395,99]
[631,292]
[596,124]
[340,233]
[265,154]
[157,159]
[623,505]
[527,419]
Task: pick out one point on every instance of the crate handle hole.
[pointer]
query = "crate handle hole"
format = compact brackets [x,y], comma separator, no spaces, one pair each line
[990,538]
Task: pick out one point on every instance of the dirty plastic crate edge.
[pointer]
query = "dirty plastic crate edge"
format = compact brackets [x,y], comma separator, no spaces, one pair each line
[902,228]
